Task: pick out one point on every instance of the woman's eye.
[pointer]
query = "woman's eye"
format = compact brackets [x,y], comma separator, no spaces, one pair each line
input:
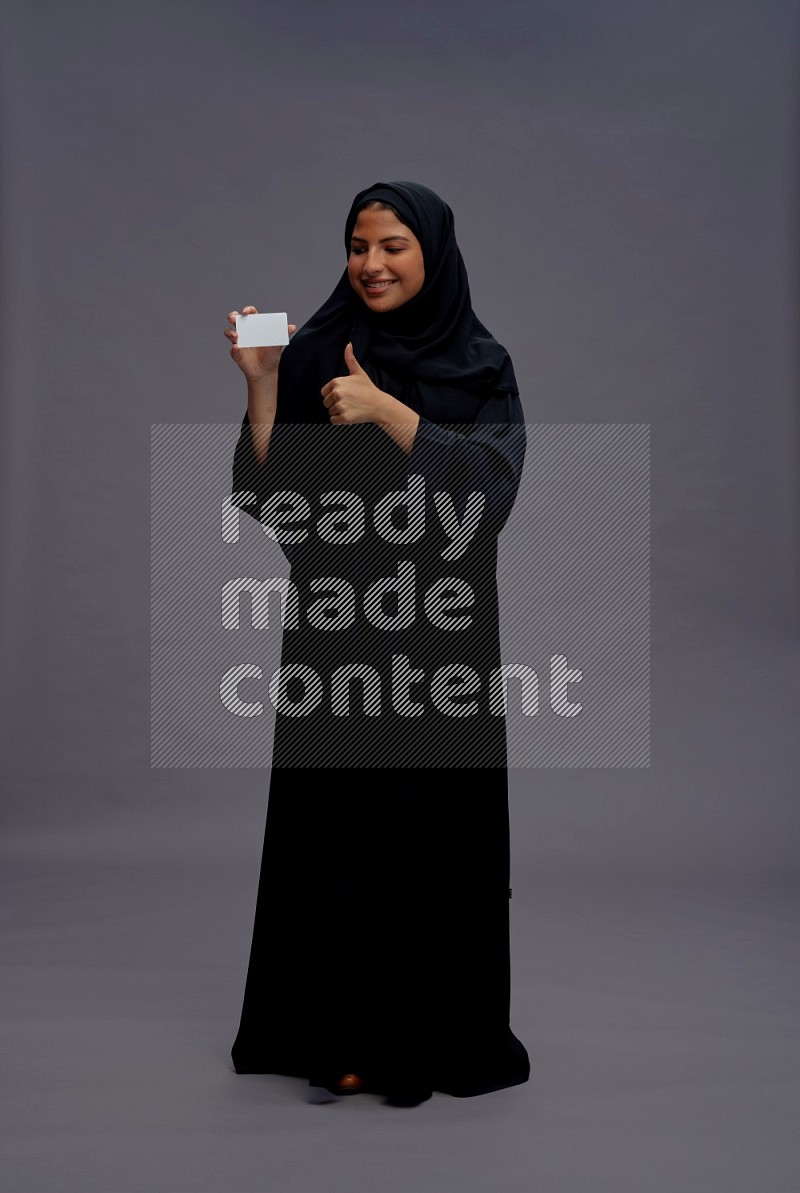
[356,252]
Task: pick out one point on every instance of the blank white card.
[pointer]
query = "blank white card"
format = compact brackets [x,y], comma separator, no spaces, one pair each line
[262,331]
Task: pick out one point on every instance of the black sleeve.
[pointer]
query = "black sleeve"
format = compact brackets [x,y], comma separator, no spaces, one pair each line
[485,457]
[254,483]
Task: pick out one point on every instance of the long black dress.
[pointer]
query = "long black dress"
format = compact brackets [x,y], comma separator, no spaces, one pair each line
[381,935]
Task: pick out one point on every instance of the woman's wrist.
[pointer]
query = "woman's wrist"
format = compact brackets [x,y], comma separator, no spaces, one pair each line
[262,398]
[391,411]
[398,421]
[264,386]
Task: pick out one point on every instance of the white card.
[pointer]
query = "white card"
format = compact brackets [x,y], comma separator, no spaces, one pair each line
[262,331]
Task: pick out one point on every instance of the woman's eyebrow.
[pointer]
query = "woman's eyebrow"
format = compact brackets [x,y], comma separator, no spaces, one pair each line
[383,239]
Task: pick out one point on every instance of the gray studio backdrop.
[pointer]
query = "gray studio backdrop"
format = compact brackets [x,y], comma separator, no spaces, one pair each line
[623,179]
[623,175]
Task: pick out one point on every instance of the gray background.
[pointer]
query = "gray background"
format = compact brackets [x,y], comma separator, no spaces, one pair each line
[624,181]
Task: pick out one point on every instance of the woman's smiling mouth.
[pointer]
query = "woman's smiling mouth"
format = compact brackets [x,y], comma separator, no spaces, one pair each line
[378,287]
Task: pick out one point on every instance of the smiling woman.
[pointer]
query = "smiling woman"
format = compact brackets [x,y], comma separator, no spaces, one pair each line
[386,266]
[380,952]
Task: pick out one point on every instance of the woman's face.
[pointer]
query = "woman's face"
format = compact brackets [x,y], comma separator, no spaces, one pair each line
[385,264]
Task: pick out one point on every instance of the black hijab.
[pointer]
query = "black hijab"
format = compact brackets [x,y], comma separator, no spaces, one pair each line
[426,352]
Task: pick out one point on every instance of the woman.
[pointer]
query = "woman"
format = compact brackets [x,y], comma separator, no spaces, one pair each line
[383,448]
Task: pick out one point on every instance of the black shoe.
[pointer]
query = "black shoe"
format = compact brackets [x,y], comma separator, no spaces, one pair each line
[407,1096]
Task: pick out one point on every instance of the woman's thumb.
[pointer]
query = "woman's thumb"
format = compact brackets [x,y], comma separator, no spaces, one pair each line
[350,360]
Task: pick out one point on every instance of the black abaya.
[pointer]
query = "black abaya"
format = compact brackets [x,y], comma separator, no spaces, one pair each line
[381,935]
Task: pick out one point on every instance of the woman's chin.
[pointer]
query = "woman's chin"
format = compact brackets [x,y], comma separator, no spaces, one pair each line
[382,300]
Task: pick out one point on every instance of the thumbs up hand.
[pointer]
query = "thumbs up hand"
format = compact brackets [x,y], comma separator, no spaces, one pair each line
[354,398]
[353,367]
